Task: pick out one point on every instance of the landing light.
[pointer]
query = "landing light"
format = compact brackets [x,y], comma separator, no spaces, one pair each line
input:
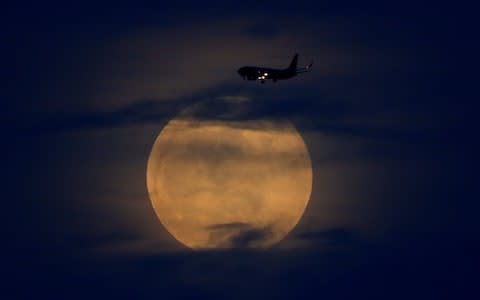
[265,74]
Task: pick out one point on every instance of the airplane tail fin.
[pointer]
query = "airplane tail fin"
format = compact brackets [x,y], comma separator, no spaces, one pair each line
[293,64]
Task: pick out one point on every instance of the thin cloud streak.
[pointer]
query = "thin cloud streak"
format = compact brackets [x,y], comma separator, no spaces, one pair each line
[306,113]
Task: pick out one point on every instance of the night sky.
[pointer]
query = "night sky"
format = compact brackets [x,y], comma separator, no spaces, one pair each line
[388,113]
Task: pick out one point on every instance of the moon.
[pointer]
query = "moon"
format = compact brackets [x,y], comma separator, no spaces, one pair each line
[229,184]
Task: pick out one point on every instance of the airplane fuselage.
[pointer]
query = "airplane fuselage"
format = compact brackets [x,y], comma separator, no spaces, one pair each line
[263,74]
[259,73]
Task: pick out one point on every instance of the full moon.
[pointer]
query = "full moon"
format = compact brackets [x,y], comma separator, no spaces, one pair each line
[229,184]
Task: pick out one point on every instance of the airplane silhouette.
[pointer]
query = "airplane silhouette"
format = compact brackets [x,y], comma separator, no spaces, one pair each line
[262,74]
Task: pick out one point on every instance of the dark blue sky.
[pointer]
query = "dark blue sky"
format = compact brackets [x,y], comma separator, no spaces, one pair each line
[388,115]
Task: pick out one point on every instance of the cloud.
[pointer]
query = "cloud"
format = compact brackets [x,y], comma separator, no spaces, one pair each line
[238,235]
[365,272]
[306,112]
[334,237]
[234,99]
[234,225]
[134,78]
[251,237]
[142,112]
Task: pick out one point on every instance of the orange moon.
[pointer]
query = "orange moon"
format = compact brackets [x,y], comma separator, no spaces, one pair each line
[226,184]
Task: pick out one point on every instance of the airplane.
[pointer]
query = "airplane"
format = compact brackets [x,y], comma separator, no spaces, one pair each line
[262,74]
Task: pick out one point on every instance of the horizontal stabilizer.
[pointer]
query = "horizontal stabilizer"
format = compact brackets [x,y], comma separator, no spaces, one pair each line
[308,68]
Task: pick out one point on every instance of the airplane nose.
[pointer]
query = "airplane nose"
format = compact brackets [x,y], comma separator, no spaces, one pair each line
[242,71]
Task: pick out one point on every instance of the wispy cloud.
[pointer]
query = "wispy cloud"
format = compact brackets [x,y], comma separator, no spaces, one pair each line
[334,237]
[306,112]
[238,235]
